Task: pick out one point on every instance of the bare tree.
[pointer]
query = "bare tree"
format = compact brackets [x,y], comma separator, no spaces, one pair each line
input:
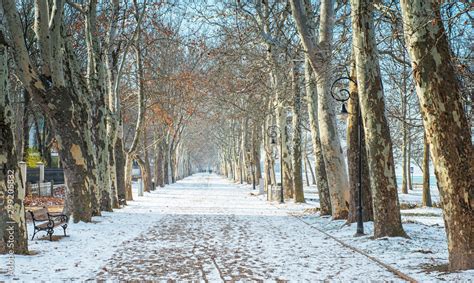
[446,125]
[319,55]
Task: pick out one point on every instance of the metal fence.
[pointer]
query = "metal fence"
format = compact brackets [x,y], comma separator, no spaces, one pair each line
[41,189]
[55,175]
[47,189]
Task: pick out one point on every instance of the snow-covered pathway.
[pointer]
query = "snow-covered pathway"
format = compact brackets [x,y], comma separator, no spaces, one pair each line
[214,230]
[201,228]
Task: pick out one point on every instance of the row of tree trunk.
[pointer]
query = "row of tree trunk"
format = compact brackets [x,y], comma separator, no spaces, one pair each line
[447,131]
[83,110]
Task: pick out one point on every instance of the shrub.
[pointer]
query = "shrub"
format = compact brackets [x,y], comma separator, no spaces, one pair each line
[33,158]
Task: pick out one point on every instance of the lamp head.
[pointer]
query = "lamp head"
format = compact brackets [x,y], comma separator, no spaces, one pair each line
[343,115]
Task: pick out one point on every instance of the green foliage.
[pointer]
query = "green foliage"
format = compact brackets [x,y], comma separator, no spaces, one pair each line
[33,158]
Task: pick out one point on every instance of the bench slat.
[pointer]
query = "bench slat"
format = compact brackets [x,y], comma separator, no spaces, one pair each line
[41,214]
[43,225]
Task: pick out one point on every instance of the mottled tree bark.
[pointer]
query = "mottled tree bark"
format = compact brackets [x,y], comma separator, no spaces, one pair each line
[13,234]
[320,168]
[80,121]
[159,180]
[446,125]
[112,101]
[319,55]
[97,88]
[74,156]
[353,156]
[128,176]
[387,220]
[285,160]
[113,169]
[119,157]
[298,195]
[41,29]
[26,125]
[146,170]
[55,98]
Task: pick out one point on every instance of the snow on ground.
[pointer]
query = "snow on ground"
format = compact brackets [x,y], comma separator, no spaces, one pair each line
[215,230]
[418,256]
[207,228]
[414,196]
[423,256]
[88,246]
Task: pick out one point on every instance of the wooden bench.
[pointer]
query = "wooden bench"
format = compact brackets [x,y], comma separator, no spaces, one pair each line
[45,221]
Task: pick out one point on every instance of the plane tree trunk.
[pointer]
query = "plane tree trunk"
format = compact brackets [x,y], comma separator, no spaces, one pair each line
[320,168]
[319,55]
[446,124]
[353,156]
[141,112]
[97,88]
[387,220]
[159,180]
[298,195]
[112,103]
[13,234]
[55,98]
[146,175]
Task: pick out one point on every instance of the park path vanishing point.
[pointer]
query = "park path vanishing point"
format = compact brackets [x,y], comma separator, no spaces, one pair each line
[212,229]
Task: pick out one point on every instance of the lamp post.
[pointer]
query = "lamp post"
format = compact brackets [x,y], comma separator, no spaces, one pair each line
[273,133]
[344,95]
